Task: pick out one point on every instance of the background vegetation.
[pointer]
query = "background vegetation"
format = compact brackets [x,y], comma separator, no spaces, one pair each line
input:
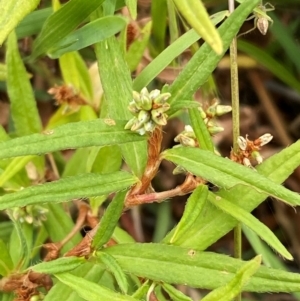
[91,207]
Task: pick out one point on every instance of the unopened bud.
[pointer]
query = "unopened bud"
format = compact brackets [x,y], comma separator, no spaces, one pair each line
[154,94]
[256,155]
[162,98]
[221,110]
[213,130]
[149,126]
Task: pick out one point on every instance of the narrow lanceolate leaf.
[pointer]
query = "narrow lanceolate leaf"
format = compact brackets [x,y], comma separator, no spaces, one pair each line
[109,220]
[112,265]
[196,15]
[13,167]
[205,60]
[12,12]
[81,186]
[60,265]
[117,86]
[174,293]
[235,286]
[94,32]
[195,268]
[251,222]
[192,211]
[61,23]
[23,106]
[74,135]
[277,168]
[227,174]
[132,7]
[75,72]
[91,291]
[165,58]
[201,131]
[6,264]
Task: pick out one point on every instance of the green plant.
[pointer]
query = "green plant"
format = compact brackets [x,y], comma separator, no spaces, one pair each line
[107,264]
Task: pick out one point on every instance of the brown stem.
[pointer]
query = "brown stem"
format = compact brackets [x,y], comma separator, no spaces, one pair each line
[186,187]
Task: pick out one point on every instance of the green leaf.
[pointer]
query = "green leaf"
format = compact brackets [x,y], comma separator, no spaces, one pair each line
[3,72]
[57,215]
[82,186]
[196,15]
[203,137]
[91,291]
[207,230]
[88,271]
[95,31]
[269,62]
[6,264]
[132,7]
[235,286]
[12,12]
[75,72]
[80,134]
[20,243]
[33,23]
[112,265]
[60,265]
[205,60]
[23,106]
[109,221]
[61,23]
[193,209]
[285,38]
[174,293]
[117,87]
[159,63]
[251,222]
[14,167]
[227,174]
[195,268]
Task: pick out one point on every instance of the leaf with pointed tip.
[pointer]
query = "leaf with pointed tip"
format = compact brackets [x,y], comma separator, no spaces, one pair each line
[97,132]
[195,268]
[12,12]
[251,222]
[91,291]
[81,186]
[226,173]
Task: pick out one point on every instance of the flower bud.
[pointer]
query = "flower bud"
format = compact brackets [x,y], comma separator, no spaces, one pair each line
[221,110]
[130,123]
[256,155]
[162,98]
[154,94]
[143,116]
[149,126]
[213,130]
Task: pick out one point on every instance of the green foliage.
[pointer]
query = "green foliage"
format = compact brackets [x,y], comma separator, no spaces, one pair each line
[111,168]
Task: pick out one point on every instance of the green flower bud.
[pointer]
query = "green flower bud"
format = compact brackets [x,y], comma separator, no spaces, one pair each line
[213,130]
[154,94]
[135,95]
[133,108]
[137,125]
[146,102]
[202,113]
[256,155]
[162,98]
[130,123]
[221,110]
[143,116]
[149,126]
